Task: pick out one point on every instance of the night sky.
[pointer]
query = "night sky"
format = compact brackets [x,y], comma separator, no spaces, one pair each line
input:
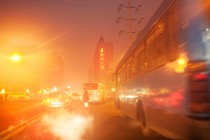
[70,27]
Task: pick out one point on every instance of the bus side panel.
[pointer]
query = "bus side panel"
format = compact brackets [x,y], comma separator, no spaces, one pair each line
[178,126]
[125,102]
[164,96]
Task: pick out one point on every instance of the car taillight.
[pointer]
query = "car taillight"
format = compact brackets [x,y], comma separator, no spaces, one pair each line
[198,86]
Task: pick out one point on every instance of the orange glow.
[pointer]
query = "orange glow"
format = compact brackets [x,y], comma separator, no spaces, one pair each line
[101,54]
[201,76]
[3,91]
[164,91]
[48,100]
[159,101]
[200,107]
[181,61]
[15,57]
[181,64]
[102,67]
[113,89]
[176,98]
[102,50]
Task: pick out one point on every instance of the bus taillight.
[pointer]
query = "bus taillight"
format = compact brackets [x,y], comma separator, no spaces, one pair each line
[199,96]
[200,76]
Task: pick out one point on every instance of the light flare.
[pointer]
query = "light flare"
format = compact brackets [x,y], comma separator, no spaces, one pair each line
[181,64]
[53,39]
[15,57]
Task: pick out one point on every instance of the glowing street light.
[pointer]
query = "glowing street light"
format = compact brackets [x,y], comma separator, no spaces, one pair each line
[15,57]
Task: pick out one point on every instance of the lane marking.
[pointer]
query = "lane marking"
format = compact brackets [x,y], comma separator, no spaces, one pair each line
[11,131]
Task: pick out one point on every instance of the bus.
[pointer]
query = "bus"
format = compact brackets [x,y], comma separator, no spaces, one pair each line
[163,80]
[96,91]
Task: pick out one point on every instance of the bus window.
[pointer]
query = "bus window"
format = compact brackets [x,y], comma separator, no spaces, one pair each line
[160,50]
[156,47]
[136,63]
[129,67]
[172,30]
[124,74]
[139,60]
[119,77]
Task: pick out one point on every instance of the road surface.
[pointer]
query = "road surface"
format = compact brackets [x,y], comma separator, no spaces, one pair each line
[97,122]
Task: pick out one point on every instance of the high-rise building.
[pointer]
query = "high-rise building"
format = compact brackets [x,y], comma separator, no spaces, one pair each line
[101,63]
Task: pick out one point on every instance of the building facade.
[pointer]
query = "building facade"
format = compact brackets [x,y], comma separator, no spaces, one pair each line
[101,70]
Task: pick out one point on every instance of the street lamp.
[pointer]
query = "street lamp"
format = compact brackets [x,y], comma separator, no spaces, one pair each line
[13,58]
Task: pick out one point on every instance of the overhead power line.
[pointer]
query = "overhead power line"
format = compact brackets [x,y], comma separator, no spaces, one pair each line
[129,18]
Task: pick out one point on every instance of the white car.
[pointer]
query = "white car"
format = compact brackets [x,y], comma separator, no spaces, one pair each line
[56,100]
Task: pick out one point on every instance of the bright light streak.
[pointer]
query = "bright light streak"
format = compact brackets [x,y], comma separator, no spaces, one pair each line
[51,40]
[68,126]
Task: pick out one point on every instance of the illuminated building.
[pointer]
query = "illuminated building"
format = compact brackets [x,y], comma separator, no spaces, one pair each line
[102,60]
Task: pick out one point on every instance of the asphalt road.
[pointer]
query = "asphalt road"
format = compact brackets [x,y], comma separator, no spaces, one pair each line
[16,112]
[97,122]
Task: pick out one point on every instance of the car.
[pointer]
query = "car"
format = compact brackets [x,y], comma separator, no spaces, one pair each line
[56,100]
[76,97]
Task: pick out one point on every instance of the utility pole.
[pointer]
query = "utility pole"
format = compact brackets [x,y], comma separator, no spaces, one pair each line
[129,23]
[129,20]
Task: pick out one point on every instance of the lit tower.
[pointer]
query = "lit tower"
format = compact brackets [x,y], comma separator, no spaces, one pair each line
[103,58]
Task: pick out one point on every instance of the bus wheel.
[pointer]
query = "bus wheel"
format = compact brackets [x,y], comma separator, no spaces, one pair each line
[143,122]
[123,114]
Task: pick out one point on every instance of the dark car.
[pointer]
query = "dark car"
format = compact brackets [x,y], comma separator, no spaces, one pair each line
[56,100]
